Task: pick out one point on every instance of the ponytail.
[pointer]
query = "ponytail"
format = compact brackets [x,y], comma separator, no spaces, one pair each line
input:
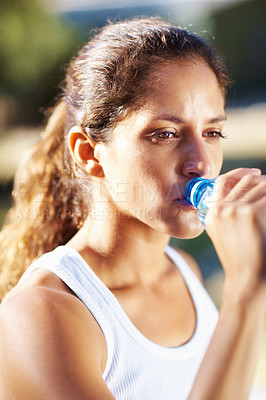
[47,204]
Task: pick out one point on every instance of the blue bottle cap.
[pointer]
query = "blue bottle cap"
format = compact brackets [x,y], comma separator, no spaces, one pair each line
[195,189]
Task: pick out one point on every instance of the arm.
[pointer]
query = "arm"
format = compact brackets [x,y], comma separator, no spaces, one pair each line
[237,228]
[50,348]
[228,368]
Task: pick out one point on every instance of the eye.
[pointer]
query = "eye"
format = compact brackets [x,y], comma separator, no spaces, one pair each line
[164,136]
[214,135]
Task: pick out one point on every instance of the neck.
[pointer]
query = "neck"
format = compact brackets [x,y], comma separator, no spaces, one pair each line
[120,249]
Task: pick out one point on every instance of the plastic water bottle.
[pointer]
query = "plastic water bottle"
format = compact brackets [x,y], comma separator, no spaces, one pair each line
[198,193]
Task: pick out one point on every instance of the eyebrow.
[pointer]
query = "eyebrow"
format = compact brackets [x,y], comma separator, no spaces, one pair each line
[177,120]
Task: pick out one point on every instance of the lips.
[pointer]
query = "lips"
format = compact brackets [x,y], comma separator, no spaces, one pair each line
[184,202]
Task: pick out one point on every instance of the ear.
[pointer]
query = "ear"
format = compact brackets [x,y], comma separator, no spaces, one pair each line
[82,149]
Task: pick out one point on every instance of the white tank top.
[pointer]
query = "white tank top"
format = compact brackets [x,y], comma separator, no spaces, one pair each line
[137,368]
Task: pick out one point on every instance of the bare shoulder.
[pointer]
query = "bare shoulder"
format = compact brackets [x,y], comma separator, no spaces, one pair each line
[47,336]
[192,263]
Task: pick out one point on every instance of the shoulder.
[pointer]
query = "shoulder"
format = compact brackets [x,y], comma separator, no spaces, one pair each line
[191,262]
[43,298]
[39,327]
[47,312]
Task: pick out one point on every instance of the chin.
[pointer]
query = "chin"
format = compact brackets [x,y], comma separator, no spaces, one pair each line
[193,235]
[187,235]
[188,229]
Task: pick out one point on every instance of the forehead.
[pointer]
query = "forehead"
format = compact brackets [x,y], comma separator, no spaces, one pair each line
[183,84]
[184,68]
[187,91]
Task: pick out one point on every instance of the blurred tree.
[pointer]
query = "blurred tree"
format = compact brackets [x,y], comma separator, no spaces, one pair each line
[34,46]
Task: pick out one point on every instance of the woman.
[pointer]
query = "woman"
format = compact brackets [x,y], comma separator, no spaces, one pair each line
[142,114]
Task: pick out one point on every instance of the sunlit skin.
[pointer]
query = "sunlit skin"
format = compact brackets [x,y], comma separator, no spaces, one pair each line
[174,136]
[155,151]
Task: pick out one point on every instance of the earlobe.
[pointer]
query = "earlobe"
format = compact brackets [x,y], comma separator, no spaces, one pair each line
[94,168]
[82,150]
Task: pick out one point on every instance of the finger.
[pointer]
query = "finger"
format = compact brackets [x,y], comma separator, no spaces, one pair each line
[261,213]
[225,183]
[249,189]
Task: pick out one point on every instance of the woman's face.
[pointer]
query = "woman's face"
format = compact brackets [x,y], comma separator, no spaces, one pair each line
[173,137]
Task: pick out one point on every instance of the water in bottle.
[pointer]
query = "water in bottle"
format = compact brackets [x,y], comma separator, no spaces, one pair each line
[198,192]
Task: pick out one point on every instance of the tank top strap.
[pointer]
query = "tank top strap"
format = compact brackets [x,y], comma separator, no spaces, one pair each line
[198,293]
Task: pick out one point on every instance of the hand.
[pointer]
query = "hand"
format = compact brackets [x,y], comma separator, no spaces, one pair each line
[236,224]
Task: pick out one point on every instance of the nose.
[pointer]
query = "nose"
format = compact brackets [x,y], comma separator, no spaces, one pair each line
[197,162]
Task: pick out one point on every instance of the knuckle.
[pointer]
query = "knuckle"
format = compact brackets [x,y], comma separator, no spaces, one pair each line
[229,210]
[249,179]
[247,212]
[262,185]
[244,210]
[223,185]
[224,210]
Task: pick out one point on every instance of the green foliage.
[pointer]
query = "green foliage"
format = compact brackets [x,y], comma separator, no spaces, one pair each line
[33,46]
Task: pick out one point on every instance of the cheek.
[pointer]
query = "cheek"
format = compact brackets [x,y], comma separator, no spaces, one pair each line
[128,177]
[146,177]
[217,161]
[147,184]
[156,181]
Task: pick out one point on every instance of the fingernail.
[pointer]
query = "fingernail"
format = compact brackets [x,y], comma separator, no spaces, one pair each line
[256,171]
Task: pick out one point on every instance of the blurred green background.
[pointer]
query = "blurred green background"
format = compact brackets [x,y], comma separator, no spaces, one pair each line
[38,38]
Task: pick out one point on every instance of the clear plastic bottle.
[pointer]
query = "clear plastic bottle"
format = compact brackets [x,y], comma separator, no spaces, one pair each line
[198,193]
